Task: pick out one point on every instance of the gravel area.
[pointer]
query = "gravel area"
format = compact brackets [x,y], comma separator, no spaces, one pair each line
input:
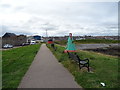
[94,46]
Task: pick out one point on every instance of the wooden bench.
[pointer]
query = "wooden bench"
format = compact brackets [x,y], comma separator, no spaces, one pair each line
[82,63]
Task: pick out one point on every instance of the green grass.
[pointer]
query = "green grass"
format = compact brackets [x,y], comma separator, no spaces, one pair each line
[0,69]
[15,63]
[104,68]
[62,42]
[88,41]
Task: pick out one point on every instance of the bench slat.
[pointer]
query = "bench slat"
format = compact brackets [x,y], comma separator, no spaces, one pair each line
[83,62]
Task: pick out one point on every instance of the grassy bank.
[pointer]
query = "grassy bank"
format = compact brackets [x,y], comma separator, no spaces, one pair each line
[104,68]
[15,63]
[113,50]
[88,41]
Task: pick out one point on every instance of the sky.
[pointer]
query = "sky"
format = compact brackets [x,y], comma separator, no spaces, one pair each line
[59,17]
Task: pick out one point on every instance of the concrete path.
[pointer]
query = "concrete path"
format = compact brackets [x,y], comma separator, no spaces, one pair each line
[47,72]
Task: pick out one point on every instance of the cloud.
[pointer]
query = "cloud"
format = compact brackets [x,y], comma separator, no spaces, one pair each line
[5,6]
[59,18]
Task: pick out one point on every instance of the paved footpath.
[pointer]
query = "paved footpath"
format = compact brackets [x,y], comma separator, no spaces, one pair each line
[46,72]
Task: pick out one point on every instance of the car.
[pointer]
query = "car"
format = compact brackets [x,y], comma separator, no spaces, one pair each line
[8,46]
[32,42]
[24,44]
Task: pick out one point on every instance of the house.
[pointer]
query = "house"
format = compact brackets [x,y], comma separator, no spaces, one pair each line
[21,39]
[13,39]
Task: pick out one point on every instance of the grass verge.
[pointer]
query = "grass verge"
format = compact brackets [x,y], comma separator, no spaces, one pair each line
[104,68]
[15,63]
[89,41]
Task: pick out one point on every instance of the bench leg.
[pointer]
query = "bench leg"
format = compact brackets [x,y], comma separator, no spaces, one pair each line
[88,67]
[79,66]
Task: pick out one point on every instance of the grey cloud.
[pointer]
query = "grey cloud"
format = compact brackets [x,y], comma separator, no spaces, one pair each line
[48,26]
[4,29]
[11,30]
[61,32]
[5,6]
[19,8]
[62,18]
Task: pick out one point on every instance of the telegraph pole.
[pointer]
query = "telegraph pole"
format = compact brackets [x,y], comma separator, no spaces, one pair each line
[46,33]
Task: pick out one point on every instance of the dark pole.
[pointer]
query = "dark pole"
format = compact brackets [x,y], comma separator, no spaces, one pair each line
[46,35]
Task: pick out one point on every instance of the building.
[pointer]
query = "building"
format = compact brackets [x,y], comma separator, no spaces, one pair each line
[29,39]
[33,38]
[107,37]
[59,38]
[13,39]
[21,39]
[37,37]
